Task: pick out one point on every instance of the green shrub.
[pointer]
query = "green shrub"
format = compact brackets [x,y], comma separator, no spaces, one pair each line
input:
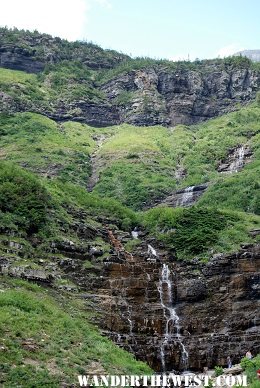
[28,376]
[24,201]
[218,370]
[190,231]
[250,367]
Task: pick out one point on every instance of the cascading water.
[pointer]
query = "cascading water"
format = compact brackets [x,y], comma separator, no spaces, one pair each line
[186,197]
[135,233]
[172,319]
[130,321]
[239,160]
[151,250]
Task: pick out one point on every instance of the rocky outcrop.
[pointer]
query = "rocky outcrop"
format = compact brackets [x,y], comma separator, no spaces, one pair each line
[155,94]
[216,305]
[174,315]
[31,52]
[236,159]
[184,197]
[18,58]
[97,115]
[167,96]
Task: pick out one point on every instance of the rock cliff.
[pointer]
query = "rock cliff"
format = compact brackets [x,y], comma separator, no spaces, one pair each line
[148,93]
[216,309]
[174,315]
[179,96]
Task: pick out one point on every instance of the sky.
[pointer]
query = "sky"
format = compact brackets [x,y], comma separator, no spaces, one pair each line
[172,29]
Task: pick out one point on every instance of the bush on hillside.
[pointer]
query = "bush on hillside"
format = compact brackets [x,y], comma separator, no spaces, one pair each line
[190,231]
[23,200]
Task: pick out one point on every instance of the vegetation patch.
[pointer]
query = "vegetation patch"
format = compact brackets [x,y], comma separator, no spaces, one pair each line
[24,201]
[49,341]
[198,230]
[250,368]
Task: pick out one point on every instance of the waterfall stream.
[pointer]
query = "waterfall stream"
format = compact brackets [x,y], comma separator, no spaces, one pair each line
[239,160]
[172,327]
[151,251]
[135,234]
[129,315]
[186,197]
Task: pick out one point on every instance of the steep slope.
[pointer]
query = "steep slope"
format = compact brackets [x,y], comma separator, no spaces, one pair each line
[48,340]
[31,51]
[79,244]
[162,253]
[154,162]
[49,332]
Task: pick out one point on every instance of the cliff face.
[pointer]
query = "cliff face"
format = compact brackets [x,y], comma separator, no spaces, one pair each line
[142,94]
[170,314]
[154,96]
[216,310]
[170,97]
[173,314]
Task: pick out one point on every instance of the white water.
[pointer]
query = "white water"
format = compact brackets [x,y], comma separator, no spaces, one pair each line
[186,197]
[130,321]
[134,234]
[151,250]
[172,319]
[239,160]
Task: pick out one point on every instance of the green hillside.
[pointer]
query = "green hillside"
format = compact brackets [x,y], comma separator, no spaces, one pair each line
[147,159]
[64,184]
[48,340]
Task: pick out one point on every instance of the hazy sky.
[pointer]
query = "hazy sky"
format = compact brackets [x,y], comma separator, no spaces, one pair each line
[173,29]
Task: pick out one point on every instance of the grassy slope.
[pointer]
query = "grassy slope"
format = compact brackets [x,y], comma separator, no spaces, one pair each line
[64,343]
[54,322]
[66,81]
[43,146]
[137,165]
[147,159]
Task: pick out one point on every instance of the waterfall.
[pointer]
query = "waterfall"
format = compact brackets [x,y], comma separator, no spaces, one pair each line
[129,321]
[172,319]
[186,197]
[239,156]
[151,250]
[134,234]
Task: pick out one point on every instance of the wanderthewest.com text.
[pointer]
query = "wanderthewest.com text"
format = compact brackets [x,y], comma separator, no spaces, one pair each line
[168,380]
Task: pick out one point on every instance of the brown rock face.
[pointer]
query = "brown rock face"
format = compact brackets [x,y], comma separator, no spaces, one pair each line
[208,310]
[172,314]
